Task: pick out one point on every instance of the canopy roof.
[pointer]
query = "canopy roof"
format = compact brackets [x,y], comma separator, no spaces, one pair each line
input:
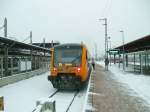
[19,45]
[136,45]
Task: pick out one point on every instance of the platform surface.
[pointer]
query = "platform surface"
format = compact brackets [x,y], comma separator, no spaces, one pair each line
[112,96]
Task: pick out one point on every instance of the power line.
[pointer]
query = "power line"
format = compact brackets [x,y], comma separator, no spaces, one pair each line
[106,8]
[26,39]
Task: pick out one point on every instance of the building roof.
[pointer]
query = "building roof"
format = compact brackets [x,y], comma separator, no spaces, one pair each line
[136,45]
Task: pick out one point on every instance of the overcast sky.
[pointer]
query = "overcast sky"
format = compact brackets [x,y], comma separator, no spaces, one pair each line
[76,20]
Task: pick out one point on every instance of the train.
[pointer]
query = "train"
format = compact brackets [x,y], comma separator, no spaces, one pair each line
[70,68]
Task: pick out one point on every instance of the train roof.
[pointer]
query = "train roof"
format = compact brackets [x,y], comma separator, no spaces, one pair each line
[70,44]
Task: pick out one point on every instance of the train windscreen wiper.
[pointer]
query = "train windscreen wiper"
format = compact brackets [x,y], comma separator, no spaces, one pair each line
[75,59]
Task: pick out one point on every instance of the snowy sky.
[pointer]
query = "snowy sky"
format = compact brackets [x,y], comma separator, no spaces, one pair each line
[76,20]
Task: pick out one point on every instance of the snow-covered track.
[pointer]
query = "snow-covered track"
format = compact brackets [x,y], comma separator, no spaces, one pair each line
[53,94]
[76,93]
[49,97]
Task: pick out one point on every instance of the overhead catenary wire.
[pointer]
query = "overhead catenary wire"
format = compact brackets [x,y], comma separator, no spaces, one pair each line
[109,8]
[106,9]
[15,42]
[26,39]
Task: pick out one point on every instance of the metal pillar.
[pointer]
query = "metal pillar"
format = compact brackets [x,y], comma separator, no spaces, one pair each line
[134,61]
[1,67]
[114,59]
[110,59]
[126,60]
[44,45]
[19,65]
[43,62]
[6,60]
[140,58]
[145,59]
[31,49]
[123,49]
[119,60]
[148,60]
[5,27]
[26,64]
[11,62]
[106,44]
[35,62]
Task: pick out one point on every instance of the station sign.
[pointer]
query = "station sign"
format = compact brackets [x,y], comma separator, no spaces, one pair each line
[113,51]
[1,103]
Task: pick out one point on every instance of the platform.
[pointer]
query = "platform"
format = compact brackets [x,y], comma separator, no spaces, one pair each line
[112,96]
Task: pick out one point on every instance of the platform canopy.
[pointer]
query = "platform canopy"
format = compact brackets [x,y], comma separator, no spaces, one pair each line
[136,45]
[19,45]
[47,45]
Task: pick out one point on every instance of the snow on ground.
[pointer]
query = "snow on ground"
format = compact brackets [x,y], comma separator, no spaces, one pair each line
[22,96]
[138,82]
[63,100]
[79,101]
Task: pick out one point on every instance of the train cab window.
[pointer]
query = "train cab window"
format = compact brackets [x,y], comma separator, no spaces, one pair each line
[68,55]
[86,55]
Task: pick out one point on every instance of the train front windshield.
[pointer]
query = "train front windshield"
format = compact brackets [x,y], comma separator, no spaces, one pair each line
[68,55]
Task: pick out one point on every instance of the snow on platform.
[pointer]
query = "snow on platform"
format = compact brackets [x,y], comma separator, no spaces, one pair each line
[138,82]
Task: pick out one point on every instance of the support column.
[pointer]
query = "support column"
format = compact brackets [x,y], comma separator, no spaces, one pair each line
[11,62]
[119,60]
[35,63]
[145,59]
[19,64]
[140,59]
[31,59]
[126,60]
[26,63]
[134,61]
[148,60]
[110,59]
[31,50]
[1,67]
[114,59]
[6,60]
[43,62]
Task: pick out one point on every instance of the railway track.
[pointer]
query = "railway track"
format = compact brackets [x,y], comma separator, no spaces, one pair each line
[49,97]
[57,94]
[53,94]
[72,101]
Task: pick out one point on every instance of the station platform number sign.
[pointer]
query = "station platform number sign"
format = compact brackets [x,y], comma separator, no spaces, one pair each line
[1,103]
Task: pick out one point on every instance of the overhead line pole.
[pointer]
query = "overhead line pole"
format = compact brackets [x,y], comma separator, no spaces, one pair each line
[5,27]
[106,44]
[122,32]
[5,49]
[31,51]
[44,44]
[96,55]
